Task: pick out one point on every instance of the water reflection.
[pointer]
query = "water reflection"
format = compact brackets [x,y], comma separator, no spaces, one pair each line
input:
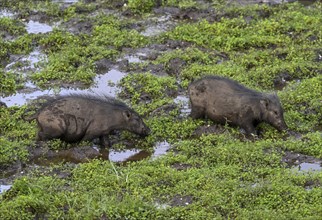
[86,153]
[160,149]
[128,155]
[6,13]
[103,84]
[309,167]
[35,27]
[32,59]
[183,101]
[4,188]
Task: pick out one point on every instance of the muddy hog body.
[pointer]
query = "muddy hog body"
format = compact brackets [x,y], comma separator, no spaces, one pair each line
[226,101]
[80,118]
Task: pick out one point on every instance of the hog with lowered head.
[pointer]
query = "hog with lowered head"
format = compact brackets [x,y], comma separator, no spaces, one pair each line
[77,118]
[226,101]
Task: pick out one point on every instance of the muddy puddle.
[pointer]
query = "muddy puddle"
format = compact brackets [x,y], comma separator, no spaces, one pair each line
[84,154]
[160,149]
[134,58]
[32,59]
[304,167]
[5,13]
[103,84]
[183,102]
[4,188]
[35,27]
[158,25]
[301,162]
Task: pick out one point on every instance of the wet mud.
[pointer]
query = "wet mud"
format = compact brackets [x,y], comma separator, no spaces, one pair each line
[81,154]
[301,162]
[110,73]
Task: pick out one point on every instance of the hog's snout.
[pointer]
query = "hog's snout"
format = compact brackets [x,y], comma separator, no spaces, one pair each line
[145,132]
[281,126]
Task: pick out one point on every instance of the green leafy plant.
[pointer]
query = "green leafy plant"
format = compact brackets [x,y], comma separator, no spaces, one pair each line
[140,6]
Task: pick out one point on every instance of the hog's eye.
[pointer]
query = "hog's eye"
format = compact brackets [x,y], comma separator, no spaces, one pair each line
[275,112]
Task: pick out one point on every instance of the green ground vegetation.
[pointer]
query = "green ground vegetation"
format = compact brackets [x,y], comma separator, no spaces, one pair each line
[211,176]
[72,57]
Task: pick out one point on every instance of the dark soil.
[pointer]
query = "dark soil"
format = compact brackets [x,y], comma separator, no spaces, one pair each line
[294,159]
[180,200]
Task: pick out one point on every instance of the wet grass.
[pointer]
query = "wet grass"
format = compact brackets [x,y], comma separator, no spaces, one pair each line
[214,176]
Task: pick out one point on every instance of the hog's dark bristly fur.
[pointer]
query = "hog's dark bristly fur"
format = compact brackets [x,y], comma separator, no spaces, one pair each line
[75,118]
[226,101]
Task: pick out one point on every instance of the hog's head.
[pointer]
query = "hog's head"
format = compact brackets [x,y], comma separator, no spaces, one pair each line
[135,124]
[272,111]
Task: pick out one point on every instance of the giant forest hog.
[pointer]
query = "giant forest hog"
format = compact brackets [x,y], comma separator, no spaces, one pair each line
[226,101]
[77,118]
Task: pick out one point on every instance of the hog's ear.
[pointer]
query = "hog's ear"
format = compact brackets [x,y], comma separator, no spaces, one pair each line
[264,102]
[127,114]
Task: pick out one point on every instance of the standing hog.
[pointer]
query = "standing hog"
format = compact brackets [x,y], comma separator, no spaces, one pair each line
[226,101]
[77,118]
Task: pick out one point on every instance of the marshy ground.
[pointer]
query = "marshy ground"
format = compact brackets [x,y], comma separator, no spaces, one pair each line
[145,53]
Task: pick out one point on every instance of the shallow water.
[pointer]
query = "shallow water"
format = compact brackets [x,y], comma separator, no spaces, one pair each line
[183,101]
[128,155]
[133,58]
[309,167]
[4,188]
[35,27]
[103,84]
[33,58]
[73,155]
[160,149]
[6,13]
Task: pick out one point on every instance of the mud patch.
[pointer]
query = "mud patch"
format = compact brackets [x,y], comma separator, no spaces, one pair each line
[281,80]
[310,184]
[79,26]
[11,169]
[208,129]
[181,166]
[302,162]
[179,200]
[45,157]
[158,25]
[175,66]
[194,14]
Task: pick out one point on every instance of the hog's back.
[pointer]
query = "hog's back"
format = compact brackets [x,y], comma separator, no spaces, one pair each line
[72,116]
[222,99]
